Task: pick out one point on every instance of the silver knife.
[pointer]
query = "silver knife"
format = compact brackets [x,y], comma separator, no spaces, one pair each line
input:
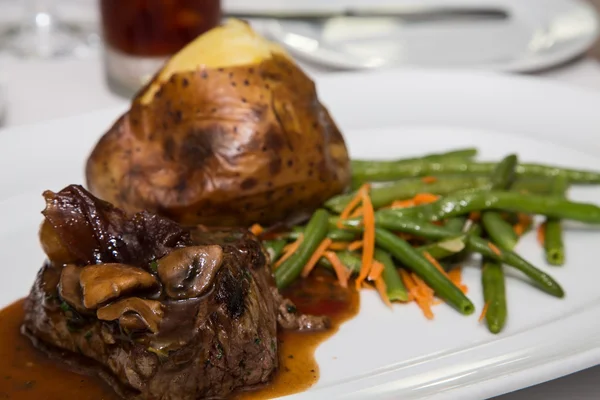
[412,13]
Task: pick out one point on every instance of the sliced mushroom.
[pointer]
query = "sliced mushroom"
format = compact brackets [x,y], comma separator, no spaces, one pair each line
[69,289]
[104,282]
[188,272]
[133,313]
[53,246]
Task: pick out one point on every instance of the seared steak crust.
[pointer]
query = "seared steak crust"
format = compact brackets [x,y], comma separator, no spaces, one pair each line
[158,311]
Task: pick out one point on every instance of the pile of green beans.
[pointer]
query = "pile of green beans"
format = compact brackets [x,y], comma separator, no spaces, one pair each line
[446,229]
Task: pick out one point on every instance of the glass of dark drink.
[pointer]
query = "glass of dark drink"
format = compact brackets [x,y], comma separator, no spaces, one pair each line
[139,35]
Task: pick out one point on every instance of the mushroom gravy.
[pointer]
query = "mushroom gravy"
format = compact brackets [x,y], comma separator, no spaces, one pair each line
[26,373]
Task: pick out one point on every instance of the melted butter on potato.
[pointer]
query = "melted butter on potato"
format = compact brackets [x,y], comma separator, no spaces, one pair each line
[228,45]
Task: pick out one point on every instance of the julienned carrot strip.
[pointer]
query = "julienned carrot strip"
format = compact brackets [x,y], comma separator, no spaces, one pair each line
[289,250]
[368,236]
[525,219]
[376,270]
[425,289]
[352,205]
[408,283]
[256,229]
[382,290]
[339,245]
[495,249]
[312,261]
[541,234]
[341,271]
[425,198]
[356,213]
[484,311]
[429,179]
[357,244]
[455,276]
[519,229]
[523,224]
[423,297]
[435,263]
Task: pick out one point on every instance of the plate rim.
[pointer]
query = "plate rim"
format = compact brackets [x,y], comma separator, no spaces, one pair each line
[330,59]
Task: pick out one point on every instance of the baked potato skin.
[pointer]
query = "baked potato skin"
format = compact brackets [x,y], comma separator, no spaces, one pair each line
[224,146]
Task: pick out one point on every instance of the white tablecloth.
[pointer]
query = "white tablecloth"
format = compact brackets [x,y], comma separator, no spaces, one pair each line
[42,90]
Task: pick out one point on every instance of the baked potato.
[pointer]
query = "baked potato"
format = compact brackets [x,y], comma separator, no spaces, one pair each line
[229,132]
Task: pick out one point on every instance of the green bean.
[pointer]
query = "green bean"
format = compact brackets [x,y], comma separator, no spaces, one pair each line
[463,203]
[348,258]
[494,295]
[503,174]
[414,227]
[445,248]
[387,171]
[393,284]
[500,231]
[458,154]
[315,232]
[455,224]
[553,238]
[399,224]
[408,188]
[412,259]
[333,234]
[543,280]
[274,248]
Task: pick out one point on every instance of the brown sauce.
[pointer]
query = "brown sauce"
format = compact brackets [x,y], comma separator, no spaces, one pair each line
[26,374]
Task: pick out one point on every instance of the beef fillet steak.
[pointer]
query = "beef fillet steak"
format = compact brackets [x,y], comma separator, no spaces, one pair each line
[158,311]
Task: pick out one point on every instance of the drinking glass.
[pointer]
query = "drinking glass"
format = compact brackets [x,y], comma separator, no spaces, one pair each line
[41,34]
[139,35]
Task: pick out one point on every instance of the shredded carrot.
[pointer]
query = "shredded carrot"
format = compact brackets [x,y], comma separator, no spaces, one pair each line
[455,276]
[356,213]
[289,249]
[352,205]
[519,229]
[525,219]
[341,271]
[338,245]
[382,290]
[484,311]
[408,283]
[368,236]
[425,198]
[357,244]
[256,229]
[376,270]
[435,263]
[312,261]
[429,179]
[541,234]
[403,203]
[475,216]
[423,296]
[495,249]
[418,292]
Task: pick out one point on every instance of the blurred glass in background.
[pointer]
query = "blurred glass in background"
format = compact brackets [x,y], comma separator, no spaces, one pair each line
[139,35]
[36,29]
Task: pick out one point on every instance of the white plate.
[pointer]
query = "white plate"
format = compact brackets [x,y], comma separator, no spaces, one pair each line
[392,114]
[537,35]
